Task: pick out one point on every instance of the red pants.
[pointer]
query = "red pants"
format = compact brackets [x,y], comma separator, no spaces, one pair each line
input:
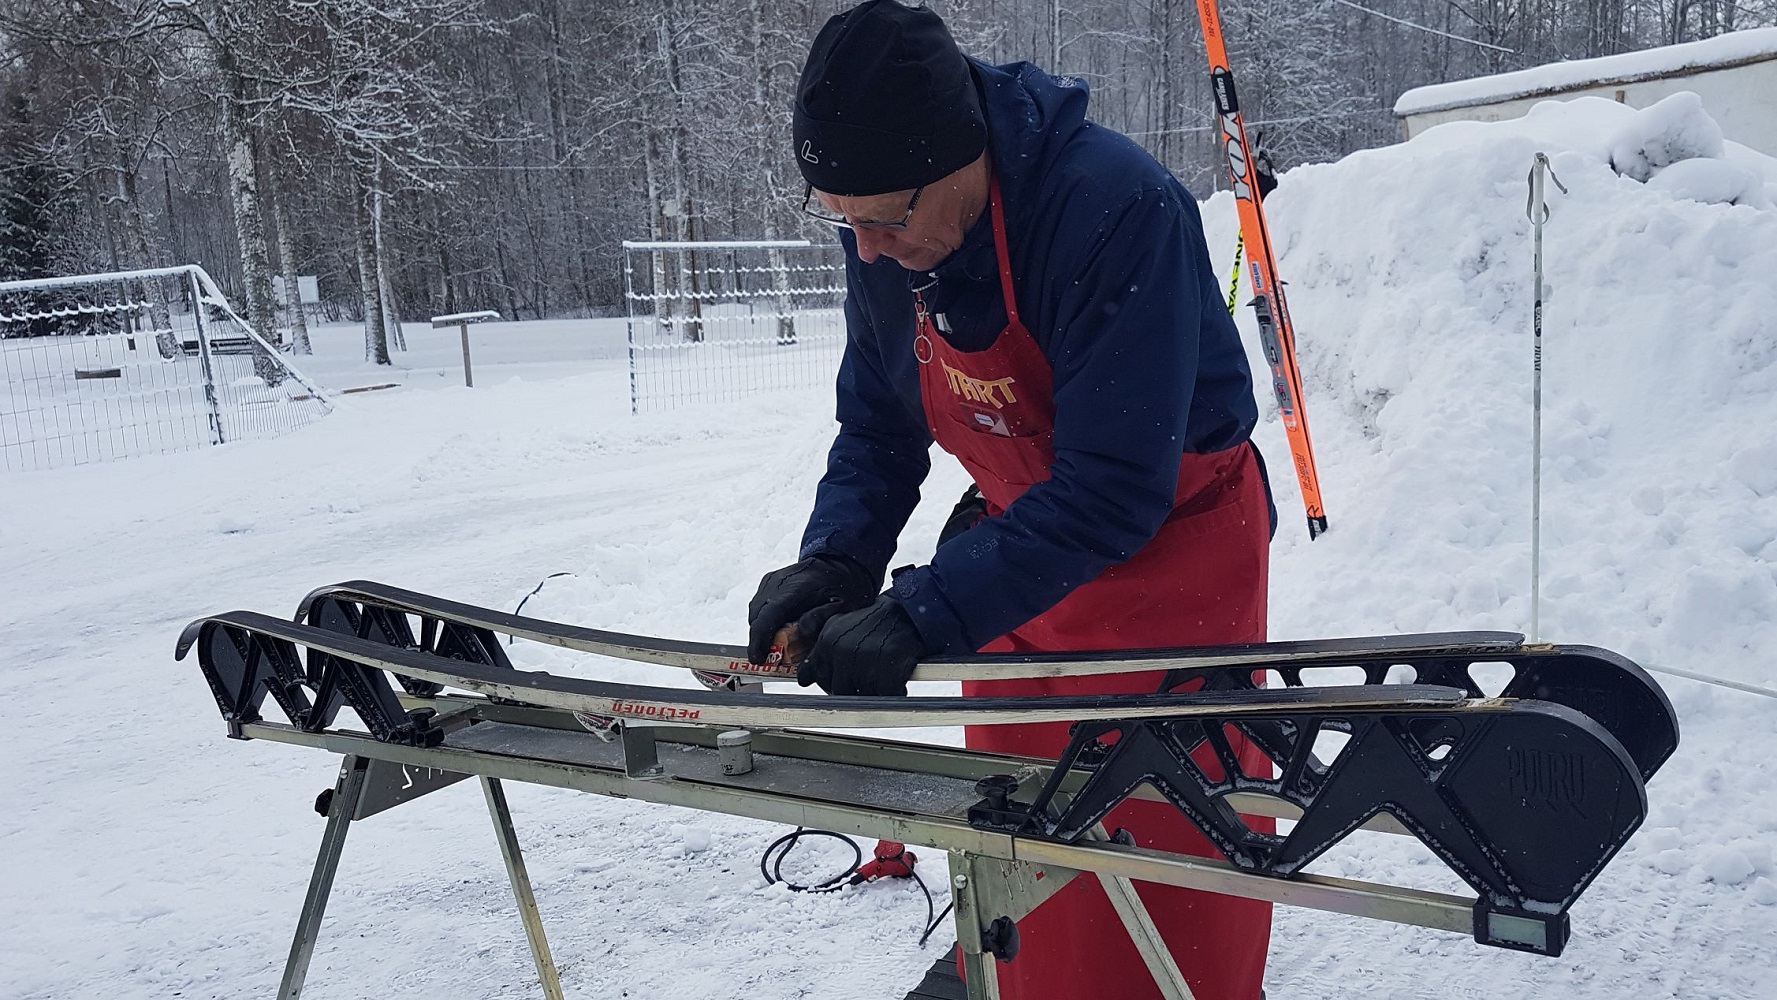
[1201,581]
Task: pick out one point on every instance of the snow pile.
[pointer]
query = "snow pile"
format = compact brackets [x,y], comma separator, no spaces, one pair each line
[1674,146]
[1409,273]
[1674,129]
[1410,282]
[148,856]
[1716,181]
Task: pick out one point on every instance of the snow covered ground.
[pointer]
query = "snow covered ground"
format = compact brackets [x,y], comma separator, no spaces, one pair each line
[143,855]
[499,351]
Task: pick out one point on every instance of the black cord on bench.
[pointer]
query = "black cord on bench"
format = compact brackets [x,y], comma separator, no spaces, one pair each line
[534,593]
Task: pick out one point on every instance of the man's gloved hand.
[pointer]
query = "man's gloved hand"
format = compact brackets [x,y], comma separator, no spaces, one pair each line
[872,651]
[827,581]
[967,513]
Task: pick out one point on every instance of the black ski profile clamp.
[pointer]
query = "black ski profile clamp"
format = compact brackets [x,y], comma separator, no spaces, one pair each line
[242,667]
[1525,806]
[1607,688]
[368,621]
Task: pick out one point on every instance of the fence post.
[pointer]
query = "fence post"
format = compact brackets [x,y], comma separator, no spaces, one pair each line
[629,295]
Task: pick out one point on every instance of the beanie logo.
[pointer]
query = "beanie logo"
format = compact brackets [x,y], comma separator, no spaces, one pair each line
[808,151]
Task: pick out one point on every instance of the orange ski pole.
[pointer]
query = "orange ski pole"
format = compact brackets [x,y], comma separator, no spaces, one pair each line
[1276,335]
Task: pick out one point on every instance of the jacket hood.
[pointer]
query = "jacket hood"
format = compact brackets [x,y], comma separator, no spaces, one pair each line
[1031,117]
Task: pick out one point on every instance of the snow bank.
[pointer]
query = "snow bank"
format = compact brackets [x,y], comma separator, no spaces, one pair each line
[1410,281]
[1674,129]
[1676,147]
[1409,272]
[1713,180]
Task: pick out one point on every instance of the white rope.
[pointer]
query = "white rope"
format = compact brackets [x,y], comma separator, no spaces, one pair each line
[1267,121]
[1421,27]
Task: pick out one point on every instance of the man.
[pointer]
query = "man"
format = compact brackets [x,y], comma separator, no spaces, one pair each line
[1032,292]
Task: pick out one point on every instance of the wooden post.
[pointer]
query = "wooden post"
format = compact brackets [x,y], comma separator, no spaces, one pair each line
[461,321]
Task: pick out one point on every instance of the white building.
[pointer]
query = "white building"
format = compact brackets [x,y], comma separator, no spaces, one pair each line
[1735,74]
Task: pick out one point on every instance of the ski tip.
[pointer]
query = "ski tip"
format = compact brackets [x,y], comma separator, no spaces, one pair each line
[188,638]
[1317,526]
[192,633]
[308,601]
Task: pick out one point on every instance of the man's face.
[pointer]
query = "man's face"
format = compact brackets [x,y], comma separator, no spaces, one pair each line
[930,235]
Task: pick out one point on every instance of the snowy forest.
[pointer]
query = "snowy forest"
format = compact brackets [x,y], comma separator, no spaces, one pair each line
[430,156]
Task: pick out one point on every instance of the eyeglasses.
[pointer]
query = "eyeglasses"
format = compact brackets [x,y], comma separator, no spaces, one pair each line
[814,209]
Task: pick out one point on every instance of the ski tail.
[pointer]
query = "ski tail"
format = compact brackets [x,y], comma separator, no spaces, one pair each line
[1276,333]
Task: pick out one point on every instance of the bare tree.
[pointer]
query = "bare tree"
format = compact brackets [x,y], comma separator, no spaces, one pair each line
[495,153]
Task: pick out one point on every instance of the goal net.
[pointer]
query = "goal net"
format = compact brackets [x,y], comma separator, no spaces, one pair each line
[716,321]
[104,366]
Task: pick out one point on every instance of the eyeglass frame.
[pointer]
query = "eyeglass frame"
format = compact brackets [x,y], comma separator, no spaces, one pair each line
[840,220]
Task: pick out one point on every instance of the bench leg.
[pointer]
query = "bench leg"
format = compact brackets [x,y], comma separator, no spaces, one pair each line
[521,887]
[980,972]
[1146,937]
[346,793]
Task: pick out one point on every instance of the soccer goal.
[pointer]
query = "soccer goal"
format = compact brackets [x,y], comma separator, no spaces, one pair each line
[715,321]
[104,366]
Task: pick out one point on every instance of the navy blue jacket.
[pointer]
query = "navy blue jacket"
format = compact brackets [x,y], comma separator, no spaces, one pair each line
[1113,281]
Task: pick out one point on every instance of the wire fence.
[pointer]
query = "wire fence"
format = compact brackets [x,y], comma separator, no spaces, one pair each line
[106,366]
[720,321]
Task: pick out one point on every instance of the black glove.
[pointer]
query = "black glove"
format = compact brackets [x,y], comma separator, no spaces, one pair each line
[786,595]
[872,651]
[967,513]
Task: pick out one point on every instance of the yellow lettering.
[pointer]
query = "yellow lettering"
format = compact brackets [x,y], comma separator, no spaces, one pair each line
[954,377]
[979,390]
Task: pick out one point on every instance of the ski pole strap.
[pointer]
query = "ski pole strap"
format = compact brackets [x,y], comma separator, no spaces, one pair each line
[1535,206]
[1234,276]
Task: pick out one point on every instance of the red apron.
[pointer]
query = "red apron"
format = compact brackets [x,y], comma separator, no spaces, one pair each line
[1200,581]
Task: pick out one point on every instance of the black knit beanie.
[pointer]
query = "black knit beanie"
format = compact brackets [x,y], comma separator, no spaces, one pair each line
[886,103]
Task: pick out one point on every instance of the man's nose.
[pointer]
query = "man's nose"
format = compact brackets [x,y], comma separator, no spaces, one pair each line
[871,243]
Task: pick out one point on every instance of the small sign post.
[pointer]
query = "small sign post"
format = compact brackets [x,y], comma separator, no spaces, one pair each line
[461,321]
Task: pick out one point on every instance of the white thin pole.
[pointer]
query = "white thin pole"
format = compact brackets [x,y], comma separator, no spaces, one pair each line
[1722,682]
[1538,210]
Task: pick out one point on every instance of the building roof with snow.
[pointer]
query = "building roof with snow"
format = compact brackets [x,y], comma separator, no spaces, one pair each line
[1733,74]
[1736,48]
